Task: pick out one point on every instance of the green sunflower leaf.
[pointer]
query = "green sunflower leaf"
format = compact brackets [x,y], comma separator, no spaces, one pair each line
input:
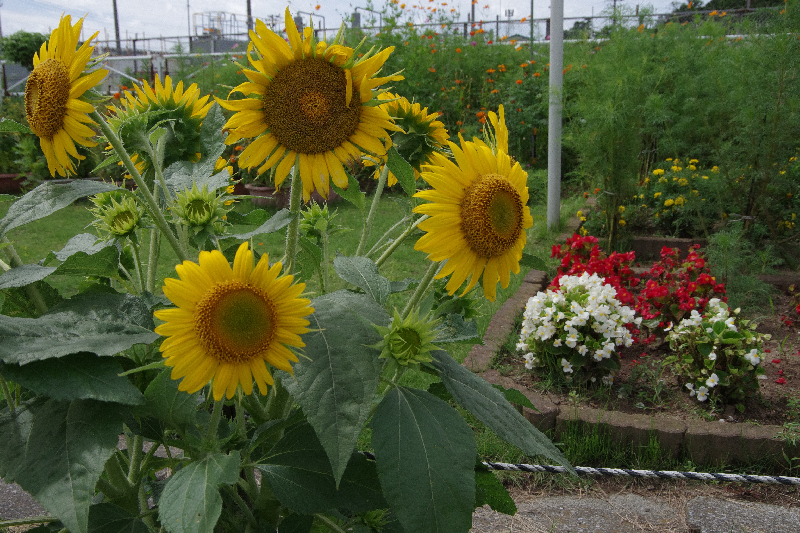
[104,263]
[46,448]
[168,404]
[48,198]
[7,125]
[76,376]
[533,261]
[110,159]
[360,489]
[453,328]
[352,193]
[308,259]
[100,323]
[108,518]
[24,275]
[182,174]
[515,397]
[253,218]
[402,171]
[299,473]
[191,502]
[490,406]
[425,456]
[296,523]
[363,273]
[278,221]
[336,386]
[489,490]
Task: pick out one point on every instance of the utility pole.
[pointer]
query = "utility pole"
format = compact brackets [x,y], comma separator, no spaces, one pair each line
[554,113]
[116,28]
[249,17]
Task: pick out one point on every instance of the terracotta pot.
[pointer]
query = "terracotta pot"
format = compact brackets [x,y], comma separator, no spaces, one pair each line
[264,196]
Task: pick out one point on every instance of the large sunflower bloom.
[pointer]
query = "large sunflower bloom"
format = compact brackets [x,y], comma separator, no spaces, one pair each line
[422,134]
[478,212]
[312,105]
[56,112]
[183,109]
[231,323]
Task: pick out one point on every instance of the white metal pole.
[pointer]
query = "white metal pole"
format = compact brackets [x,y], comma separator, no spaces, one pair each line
[554,113]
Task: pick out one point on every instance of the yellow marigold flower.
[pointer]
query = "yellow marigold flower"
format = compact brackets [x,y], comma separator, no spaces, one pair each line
[622,222]
[230,323]
[54,96]
[656,195]
[669,202]
[692,167]
[478,212]
[683,182]
[676,168]
[313,106]
[668,159]
[715,169]
[622,209]
[693,161]
[658,172]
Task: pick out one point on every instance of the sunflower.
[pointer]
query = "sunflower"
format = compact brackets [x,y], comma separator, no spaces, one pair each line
[422,134]
[180,111]
[54,96]
[478,212]
[231,322]
[312,106]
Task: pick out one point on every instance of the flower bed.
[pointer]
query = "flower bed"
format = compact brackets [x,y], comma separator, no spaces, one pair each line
[709,363]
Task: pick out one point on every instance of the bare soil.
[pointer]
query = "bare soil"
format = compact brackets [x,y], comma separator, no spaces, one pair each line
[634,389]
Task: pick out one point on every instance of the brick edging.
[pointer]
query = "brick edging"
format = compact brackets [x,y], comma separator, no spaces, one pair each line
[713,443]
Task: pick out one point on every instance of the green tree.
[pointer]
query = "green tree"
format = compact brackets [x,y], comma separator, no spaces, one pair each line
[20,46]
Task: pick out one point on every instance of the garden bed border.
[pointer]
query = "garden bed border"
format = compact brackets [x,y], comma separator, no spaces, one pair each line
[713,443]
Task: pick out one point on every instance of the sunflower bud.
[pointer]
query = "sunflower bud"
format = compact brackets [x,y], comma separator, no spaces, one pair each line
[118,218]
[408,341]
[199,208]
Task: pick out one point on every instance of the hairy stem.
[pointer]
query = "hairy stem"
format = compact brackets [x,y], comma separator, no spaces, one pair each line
[293,230]
[150,201]
[399,240]
[422,288]
[373,210]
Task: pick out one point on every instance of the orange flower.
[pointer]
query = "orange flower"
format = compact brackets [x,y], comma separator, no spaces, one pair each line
[495,91]
[536,74]
[237,148]
[459,123]
[524,19]
[523,65]
[317,7]
[482,120]
[489,80]
[431,69]
[458,50]
[116,95]
[519,82]
[501,68]
[490,70]
[519,110]
[640,29]
[489,41]
[433,51]
[596,190]
[459,82]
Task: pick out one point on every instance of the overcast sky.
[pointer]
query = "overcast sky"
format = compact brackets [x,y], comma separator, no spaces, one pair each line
[153,18]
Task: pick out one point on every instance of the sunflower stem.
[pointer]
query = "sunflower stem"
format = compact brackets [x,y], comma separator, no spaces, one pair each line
[150,201]
[399,240]
[213,424]
[422,288]
[256,410]
[27,521]
[7,393]
[136,455]
[241,504]
[31,290]
[373,209]
[385,236]
[295,198]
[240,422]
[137,263]
[152,260]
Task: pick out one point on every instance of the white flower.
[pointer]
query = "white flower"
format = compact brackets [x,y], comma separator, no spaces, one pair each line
[712,356]
[557,343]
[566,366]
[702,394]
[690,386]
[522,346]
[729,323]
[752,357]
[668,327]
[583,349]
[530,361]
[712,381]
[608,380]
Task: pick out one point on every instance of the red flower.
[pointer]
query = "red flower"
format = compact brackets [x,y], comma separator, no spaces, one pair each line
[776,361]
[780,381]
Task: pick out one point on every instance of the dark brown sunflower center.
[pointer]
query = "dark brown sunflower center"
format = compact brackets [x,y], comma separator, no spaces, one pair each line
[46,95]
[235,322]
[304,107]
[491,215]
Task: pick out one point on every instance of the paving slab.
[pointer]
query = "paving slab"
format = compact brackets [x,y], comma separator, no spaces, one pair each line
[625,513]
[15,503]
[713,515]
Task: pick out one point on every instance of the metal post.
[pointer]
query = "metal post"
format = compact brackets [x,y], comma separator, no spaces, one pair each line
[249,16]
[116,28]
[554,113]
[3,67]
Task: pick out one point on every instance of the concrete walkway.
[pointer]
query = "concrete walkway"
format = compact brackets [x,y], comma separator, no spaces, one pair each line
[666,512]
